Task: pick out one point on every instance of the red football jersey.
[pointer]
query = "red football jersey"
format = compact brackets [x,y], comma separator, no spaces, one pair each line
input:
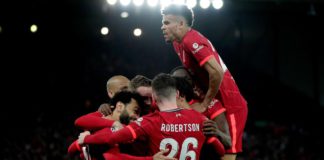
[214,109]
[194,51]
[179,130]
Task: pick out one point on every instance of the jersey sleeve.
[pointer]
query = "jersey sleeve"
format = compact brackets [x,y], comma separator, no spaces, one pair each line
[99,137]
[74,148]
[199,47]
[93,121]
[217,145]
[214,109]
[140,127]
[124,135]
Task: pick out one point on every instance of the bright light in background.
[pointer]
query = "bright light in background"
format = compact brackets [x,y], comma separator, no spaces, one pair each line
[0,29]
[124,14]
[165,3]
[152,3]
[217,4]
[125,2]
[137,32]
[33,28]
[179,1]
[112,2]
[138,2]
[104,30]
[191,3]
[204,4]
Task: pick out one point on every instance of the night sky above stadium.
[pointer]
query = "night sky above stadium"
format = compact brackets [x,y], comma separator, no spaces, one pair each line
[67,62]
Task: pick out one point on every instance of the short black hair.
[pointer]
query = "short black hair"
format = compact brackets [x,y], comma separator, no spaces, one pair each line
[178,68]
[179,10]
[185,73]
[126,97]
[184,88]
[164,85]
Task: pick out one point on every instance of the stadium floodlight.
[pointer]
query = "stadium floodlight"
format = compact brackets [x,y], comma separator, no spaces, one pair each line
[165,3]
[112,2]
[191,3]
[178,1]
[152,3]
[33,28]
[124,15]
[137,32]
[204,4]
[217,4]
[125,2]
[104,30]
[138,2]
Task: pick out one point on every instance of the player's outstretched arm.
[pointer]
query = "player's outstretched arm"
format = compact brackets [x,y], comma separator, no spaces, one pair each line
[93,121]
[74,148]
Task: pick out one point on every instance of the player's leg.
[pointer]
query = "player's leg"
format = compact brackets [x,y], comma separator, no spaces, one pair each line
[236,122]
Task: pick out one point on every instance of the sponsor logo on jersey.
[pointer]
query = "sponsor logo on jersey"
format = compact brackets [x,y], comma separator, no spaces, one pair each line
[198,49]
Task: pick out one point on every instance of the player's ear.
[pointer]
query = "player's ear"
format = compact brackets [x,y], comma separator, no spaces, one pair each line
[178,94]
[154,100]
[110,93]
[182,21]
[120,106]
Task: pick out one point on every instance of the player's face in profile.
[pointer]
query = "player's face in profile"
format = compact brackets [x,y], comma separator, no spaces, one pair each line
[130,113]
[169,27]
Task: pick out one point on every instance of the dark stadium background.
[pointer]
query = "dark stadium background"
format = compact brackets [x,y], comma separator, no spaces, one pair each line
[274,49]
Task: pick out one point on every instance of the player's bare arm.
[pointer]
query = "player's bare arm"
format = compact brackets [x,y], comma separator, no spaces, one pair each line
[216,74]
[219,127]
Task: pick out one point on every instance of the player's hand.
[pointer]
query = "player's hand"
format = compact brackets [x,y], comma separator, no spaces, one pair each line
[117,125]
[204,104]
[210,128]
[105,109]
[82,136]
[160,156]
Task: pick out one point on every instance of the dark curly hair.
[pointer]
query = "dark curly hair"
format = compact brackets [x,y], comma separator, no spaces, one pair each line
[179,10]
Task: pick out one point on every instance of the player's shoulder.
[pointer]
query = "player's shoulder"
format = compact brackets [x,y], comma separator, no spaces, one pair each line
[193,39]
[191,112]
[151,116]
[198,114]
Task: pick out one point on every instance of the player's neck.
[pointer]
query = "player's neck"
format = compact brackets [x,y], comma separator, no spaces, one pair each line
[167,105]
[183,33]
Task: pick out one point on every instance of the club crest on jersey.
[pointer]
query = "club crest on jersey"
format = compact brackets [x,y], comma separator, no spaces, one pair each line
[195,45]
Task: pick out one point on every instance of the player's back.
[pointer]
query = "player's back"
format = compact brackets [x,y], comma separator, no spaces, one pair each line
[178,130]
[198,49]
